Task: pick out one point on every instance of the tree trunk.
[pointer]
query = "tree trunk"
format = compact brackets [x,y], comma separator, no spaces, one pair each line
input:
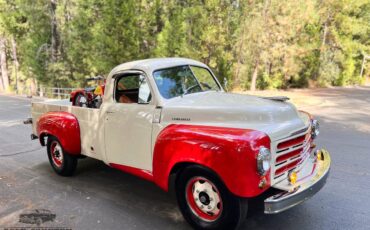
[322,47]
[240,52]
[324,35]
[3,66]
[239,61]
[54,32]
[15,63]
[1,84]
[254,76]
[33,87]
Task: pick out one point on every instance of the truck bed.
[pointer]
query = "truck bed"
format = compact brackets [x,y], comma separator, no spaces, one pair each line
[88,119]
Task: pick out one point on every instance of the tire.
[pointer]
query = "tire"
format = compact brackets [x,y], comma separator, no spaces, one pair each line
[62,163]
[206,203]
[78,98]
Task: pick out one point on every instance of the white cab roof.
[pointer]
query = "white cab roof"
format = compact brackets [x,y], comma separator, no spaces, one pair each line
[150,65]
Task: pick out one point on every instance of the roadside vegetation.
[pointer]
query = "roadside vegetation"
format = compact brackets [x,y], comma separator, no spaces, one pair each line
[257,44]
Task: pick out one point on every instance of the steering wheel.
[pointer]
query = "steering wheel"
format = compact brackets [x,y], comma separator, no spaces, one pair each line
[190,88]
[205,85]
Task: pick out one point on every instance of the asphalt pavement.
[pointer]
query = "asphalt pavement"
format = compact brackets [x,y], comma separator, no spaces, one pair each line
[99,197]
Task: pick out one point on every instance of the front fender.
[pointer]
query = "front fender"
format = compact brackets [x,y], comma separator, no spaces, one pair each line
[64,126]
[229,152]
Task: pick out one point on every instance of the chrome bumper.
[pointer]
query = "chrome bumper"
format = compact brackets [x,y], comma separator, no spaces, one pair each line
[302,192]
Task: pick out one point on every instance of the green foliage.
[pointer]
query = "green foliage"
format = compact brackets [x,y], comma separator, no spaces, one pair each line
[267,43]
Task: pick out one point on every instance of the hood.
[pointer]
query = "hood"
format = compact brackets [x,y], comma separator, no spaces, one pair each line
[277,119]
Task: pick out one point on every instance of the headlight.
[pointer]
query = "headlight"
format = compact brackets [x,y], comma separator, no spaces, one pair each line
[315,128]
[263,160]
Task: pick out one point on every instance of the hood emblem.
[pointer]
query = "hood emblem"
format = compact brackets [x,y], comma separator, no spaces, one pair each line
[180,119]
[277,98]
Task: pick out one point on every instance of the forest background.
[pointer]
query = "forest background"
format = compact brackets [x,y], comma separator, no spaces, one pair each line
[249,44]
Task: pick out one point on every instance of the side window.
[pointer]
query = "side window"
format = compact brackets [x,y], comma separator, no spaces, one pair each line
[132,89]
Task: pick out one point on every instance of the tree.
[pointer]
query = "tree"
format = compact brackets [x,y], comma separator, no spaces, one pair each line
[271,36]
[3,65]
[253,44]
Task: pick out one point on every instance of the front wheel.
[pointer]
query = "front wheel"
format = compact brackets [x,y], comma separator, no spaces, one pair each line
[62,163]
[206,203]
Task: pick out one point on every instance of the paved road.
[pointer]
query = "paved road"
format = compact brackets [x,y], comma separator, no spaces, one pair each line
[99,197]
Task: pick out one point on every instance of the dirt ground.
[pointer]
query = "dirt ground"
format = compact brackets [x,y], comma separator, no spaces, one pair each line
[304,98]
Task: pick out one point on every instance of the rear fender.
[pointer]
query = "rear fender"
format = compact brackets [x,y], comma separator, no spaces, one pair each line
[229,152]
[63,126]
[75,93]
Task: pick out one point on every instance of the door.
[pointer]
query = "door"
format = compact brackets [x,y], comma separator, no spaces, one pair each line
[128,122]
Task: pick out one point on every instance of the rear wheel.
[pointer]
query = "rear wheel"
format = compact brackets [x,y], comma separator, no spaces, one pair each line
[80,100]
[62,163]
[206,203]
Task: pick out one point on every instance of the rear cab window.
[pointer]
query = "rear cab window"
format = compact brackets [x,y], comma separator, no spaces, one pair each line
[132,89]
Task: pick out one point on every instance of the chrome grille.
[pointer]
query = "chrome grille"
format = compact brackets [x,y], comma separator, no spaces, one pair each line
[290,153]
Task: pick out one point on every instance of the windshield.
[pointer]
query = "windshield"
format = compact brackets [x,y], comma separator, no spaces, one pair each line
[181,80]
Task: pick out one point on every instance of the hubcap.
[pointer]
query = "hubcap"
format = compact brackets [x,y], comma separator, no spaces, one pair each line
[56,154]
[204,199]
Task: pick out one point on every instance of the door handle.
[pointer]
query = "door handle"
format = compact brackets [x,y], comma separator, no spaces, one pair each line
[110,112]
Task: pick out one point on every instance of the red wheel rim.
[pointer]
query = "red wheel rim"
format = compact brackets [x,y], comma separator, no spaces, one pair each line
[204,199]
[56,154]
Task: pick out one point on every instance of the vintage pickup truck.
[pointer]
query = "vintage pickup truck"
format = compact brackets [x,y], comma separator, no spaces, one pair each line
[170,118]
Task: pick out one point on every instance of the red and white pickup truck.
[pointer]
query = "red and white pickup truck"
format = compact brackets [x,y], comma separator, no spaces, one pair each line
[170,117]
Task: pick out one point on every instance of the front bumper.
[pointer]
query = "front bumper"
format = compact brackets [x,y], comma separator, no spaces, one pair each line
[302,191]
